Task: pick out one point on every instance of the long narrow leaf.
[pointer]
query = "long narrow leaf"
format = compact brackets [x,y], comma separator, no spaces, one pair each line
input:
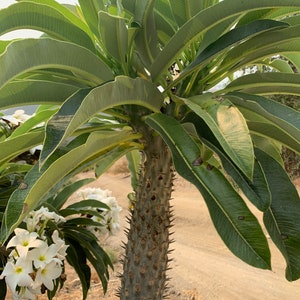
[266,83]
[82,106]
[234,222]
[202,22]
[22,56]
[256,190]
[30,15]
[18,93]
[282,219]
[11,148]
[146,39]
[274,116]
[114,36]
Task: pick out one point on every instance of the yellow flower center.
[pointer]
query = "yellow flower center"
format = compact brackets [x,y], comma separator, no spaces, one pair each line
[19,270]
[42,258]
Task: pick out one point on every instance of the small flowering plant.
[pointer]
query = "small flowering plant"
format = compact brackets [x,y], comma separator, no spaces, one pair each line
[56,233]
[35,262]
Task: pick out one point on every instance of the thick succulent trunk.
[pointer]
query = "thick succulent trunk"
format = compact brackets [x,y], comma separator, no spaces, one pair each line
[146,257]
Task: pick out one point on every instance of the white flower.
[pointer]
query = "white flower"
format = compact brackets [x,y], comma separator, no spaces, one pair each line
[17,117]
[17,273]
[23,241]
[94,193]
[35,219]
[47,274]
[27,293]
[110,217]
[43,255]
[61,247]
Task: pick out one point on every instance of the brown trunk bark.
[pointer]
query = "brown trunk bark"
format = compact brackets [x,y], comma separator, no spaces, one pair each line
[146,257]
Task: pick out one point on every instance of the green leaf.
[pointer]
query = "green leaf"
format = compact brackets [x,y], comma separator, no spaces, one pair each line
[146,39]
[185,10]
[111,157]
[90,10]
[45,18]
[266,83]
[35,121]
[67,191]
[83,105]
[229,127]
[77,259]
[269,146]
[269,118]
[282,219]
[164,21]
[293,57]
[3,289]
[72,16]
[12,147]
[254,50]
[134,161]
[281,66]
[24,92]
[114,35]
[256,190]
[234,222]
[202,22]
[87,204]
[22,56]
[93,252]
[230,40]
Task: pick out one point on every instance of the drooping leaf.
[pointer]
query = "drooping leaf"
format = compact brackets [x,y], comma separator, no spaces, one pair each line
[254,50]
[43,17]
[12,147]
[256,189]
[229,40]
[202,22]
[266,83]
[282,219]
[229,127]
[270,118]
[18,93]
[234,222]
[31,54]
[83,105]
[77,259]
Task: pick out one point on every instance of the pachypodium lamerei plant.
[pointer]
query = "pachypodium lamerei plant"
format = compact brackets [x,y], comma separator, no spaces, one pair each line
[141,78]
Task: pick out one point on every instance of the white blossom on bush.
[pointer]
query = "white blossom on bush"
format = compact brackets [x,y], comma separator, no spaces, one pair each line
[18,117]
[35,260]
[109,219]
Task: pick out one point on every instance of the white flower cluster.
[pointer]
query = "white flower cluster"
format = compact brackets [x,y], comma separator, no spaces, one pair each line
[34,262]
[110,220]
[18,117]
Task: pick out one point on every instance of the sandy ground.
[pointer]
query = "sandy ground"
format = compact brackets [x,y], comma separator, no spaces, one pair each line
[203,268]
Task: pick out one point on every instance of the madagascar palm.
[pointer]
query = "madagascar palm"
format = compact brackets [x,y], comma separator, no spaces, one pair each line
[142,79]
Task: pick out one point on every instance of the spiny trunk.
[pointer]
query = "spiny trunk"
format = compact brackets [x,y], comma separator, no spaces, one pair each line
[146,257]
